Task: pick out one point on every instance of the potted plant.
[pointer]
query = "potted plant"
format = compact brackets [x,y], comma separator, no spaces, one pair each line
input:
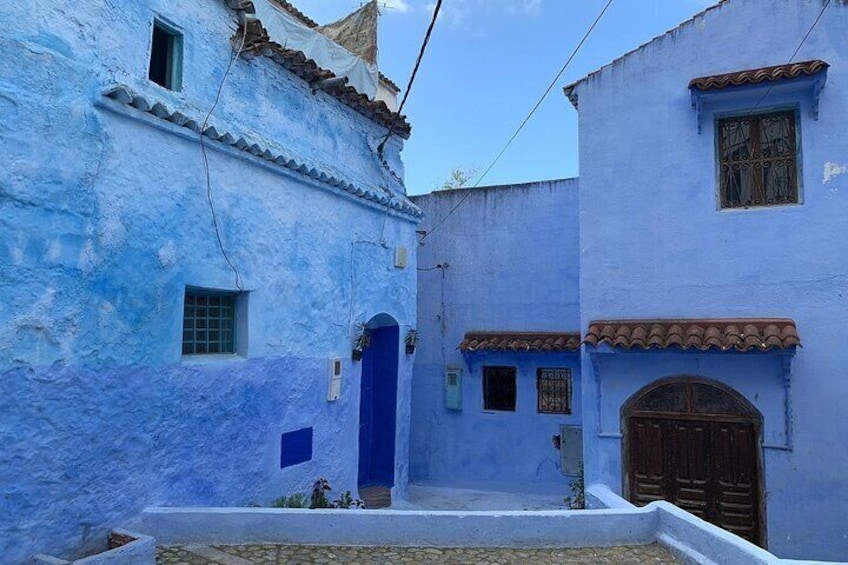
[360,343]
[411,341]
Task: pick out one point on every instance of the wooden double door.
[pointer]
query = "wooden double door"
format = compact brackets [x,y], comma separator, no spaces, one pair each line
[704,458]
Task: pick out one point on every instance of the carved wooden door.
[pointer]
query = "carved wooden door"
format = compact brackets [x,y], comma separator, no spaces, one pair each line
[706,464]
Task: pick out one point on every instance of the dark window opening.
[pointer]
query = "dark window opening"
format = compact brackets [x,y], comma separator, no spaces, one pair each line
[499,388]
[166,57]
[553,388]
[758,160]
[209,322]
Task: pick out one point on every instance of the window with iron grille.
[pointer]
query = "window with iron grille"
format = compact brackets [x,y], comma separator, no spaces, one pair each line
[209,322]
[499,388]
[758,160]
[553,389]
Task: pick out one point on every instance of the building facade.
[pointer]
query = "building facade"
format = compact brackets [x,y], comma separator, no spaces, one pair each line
[498,318]
[170,330]
[712,280]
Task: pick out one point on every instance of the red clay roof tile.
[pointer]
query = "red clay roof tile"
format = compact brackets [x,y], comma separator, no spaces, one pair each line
[757,334]
[757,76]
[539,342]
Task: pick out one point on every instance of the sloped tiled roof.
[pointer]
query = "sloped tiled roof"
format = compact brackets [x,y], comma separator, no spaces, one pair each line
[739,334]
[521,341]
[310,23]
[259,43]
[757,76]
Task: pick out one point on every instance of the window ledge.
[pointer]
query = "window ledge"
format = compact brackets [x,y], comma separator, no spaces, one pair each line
[212,358]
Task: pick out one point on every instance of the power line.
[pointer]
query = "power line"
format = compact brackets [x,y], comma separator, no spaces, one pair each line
[794,54]
[412,77]
[523,123]
[232,265]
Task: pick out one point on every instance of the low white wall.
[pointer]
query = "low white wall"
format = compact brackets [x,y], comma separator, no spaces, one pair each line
[596,528]
[691,539]
[140,551]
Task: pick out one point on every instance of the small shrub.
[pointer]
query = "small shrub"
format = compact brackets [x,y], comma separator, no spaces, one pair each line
[347,501]
[297,500]
[577,499]
[319,494]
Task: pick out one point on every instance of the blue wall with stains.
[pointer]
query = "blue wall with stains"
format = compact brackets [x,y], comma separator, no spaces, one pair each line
[510,264]
[654,244]
[104,221]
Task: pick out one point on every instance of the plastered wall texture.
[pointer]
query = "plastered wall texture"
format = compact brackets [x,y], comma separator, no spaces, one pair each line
[104,221]
[511,255]
[654,244]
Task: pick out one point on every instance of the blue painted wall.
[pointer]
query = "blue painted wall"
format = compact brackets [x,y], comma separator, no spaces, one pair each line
[104,221]
[653,244]
[511,254]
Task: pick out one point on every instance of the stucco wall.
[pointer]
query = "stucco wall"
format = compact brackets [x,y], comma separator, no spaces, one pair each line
[653,244]
[511,256]
[104,221]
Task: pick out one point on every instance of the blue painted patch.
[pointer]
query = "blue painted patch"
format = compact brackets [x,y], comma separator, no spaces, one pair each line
[295,447]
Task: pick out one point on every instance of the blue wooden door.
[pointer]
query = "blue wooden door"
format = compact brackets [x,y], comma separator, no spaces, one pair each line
[378,408]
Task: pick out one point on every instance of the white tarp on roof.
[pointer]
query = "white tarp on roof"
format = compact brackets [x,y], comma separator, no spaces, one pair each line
[284,29]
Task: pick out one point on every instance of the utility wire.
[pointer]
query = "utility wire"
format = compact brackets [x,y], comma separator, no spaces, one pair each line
[523,123]
[794,54]
[412,77]
[236,53]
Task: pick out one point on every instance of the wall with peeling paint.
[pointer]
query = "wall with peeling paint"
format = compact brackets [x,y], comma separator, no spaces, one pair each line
[104,221]
[510,264]
[653,244]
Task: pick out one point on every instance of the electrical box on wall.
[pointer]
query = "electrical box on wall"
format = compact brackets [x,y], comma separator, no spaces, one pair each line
[571,449]
[334,390]
[400,257]
[453,389]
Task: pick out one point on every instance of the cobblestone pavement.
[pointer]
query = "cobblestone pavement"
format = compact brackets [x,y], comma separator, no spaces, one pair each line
[309,555]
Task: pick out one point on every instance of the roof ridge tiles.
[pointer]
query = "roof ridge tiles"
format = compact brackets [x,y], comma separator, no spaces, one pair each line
[125,96]
[259,43]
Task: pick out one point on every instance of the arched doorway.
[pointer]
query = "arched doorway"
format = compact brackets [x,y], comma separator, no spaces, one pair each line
[696,443]
[378,411]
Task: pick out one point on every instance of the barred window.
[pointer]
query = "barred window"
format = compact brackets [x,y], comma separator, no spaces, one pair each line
[209,322]
[553,388]
[758,160]
[499,388]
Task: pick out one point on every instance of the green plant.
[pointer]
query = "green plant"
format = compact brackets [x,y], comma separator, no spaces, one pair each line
[577,499]
[347,501]
[319,494]
[296,500]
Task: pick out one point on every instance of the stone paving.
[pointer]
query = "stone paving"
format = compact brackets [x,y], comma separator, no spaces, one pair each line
[309,555]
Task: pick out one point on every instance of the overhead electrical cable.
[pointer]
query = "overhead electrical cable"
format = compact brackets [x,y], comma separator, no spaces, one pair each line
[412,76]
[235,55]
[523,123]
[794,54]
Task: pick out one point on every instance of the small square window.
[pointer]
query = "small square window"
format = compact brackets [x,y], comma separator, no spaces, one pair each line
[499,388]
[209,322]
[553,388]
[166,56]
[757,157]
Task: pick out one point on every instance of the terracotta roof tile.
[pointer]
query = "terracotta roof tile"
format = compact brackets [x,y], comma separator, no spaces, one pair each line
[704,334]
[298,15]
[259,43]
[309,22]
[757,76]
[540,342]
